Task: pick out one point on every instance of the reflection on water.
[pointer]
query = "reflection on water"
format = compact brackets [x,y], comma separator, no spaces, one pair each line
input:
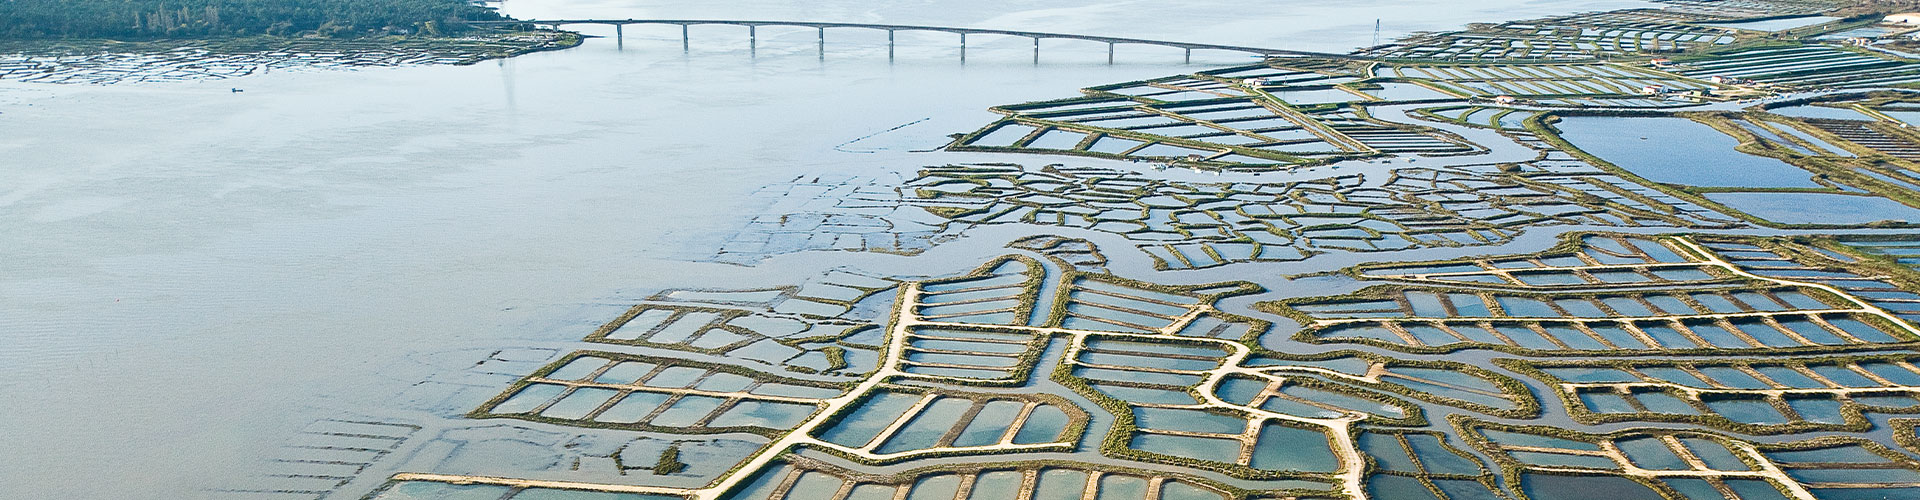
[1680,151]
[183,269]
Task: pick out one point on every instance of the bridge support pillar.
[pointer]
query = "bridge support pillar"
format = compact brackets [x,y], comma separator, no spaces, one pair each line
[620,36]
[753,36]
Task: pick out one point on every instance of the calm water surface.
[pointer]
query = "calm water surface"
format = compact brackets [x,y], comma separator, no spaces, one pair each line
[187,274]
[1679,151]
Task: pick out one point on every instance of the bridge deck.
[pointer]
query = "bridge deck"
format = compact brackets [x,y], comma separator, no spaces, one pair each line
[947,29]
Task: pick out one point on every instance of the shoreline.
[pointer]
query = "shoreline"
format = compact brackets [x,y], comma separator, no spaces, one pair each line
[104,62]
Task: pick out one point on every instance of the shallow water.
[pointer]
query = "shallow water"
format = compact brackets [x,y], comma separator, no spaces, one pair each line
[325,241]
[1557,487]
[1286,448]
[1817,208]
[1043,425]
[1678,150]
[925,429]
[1824,112]
[1202,448]
[870,419]
[1776,24]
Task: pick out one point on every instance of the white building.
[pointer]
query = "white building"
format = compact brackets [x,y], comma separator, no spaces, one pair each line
[1910,18]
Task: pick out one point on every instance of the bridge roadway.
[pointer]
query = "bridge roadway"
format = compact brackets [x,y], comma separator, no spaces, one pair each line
[753,26]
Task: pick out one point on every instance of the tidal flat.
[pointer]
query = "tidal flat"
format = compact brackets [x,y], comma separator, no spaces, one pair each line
[856,264]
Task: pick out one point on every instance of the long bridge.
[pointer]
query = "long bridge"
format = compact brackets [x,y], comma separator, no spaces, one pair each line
[1037,36]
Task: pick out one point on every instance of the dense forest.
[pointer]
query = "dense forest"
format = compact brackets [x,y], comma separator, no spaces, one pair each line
[151,19]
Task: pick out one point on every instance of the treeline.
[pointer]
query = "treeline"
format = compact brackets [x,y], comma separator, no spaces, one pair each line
[1862,7]
[149,19]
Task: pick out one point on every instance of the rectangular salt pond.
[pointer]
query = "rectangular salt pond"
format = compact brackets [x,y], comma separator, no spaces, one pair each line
[1287,448]
[1747,410]
[1386,450]
[687,411]
[579,403]
[1678,151]
[1771,25]
[767,414]
[1057,139]
[1169,379]
[1118,487]
[1169,150]
[633,408]
[1113,145]
[990,424]
[578,368]
[529,398]
[1406,92]
[1907,117]
[1174,419]
[1811,111]
[962,360]
[1150,396]
[814,485]
[872,416]
[1127,302]
[1769,136]
[1149,361]
[1817,208]
[1543,486]
[990,293]
[1298,408]
[676,377]
[1060,483]
[1199,448]
[1043,425]
[981,373]
[1318,96]
[974,283]
[1605,401]
[685,327]
[966,308]
[625,373]
[1356,403]
[1651,453]
[1240,390]
[955,345]
[1092,311]
[1134,292]
[1733,377]
[1664,402]
[926,429]
[996,484]
[1437,459]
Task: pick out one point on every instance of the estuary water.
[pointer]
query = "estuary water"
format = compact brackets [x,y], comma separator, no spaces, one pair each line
[189,274]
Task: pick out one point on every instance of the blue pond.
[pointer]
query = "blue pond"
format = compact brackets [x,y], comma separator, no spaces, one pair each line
[1817,208]
[1776,24]
[1678,151]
